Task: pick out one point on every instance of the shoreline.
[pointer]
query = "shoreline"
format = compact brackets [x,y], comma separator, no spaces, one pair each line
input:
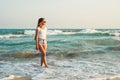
[70,69]
[17,77]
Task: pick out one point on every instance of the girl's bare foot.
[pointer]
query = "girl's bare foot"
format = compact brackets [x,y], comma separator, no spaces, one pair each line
[41,66]
[46,66]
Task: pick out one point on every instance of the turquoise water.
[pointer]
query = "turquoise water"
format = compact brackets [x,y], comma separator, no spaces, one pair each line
[80,47]
[60,41]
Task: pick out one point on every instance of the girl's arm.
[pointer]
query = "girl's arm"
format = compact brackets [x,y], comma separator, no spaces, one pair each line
[36,38]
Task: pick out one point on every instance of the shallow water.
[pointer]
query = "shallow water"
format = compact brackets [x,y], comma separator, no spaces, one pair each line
[60,69]
[72,54]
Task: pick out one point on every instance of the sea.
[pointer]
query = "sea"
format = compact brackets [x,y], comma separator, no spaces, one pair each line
[72,54]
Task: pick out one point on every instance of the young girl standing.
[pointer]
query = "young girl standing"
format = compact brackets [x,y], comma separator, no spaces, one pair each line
[41,40]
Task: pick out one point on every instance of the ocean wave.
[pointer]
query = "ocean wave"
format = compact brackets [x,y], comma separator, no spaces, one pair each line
[21,55]
[69,54]
[94,31]
[115,48]
[102,32]
[117,34]
[50,32]
[88,32]
[58,32]
[54,32]
[29,32]
[10,36]
[74,54]
[17,34]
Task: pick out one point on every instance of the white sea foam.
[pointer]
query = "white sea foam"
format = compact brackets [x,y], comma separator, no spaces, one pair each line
[29,32]
[54,32]
[63,69]
[109,32]
[57,32]
[90,31]
[26,32]
[61,32]
[115,34]
[10,36]
[84,31]
[109,78]
[70,32]
[14,77]
[74,70]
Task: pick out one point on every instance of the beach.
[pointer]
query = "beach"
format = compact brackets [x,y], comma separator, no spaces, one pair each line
[72,54]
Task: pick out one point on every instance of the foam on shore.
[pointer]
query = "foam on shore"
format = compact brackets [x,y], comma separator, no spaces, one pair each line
[13,77]
[110,78]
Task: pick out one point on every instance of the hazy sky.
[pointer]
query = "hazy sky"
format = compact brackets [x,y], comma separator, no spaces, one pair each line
[60,13]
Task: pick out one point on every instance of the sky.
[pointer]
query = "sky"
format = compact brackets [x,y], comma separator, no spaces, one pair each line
[60,13]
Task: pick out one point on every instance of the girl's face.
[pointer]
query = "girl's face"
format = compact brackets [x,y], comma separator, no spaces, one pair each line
[43,22]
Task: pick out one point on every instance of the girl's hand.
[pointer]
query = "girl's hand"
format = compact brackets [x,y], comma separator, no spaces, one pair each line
[37,47]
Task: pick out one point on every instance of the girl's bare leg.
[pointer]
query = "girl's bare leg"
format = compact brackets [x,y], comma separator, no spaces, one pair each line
[45,62]
[43,55]
[42,60]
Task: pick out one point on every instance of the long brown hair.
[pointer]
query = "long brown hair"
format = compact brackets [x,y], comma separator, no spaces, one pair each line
[39,21]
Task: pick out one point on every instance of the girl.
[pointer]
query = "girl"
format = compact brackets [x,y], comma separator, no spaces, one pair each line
[41,40]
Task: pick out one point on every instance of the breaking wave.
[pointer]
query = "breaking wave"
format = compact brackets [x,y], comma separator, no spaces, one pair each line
[29,32]
[68,54]
[21,55]
[89,32]
[11,36]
